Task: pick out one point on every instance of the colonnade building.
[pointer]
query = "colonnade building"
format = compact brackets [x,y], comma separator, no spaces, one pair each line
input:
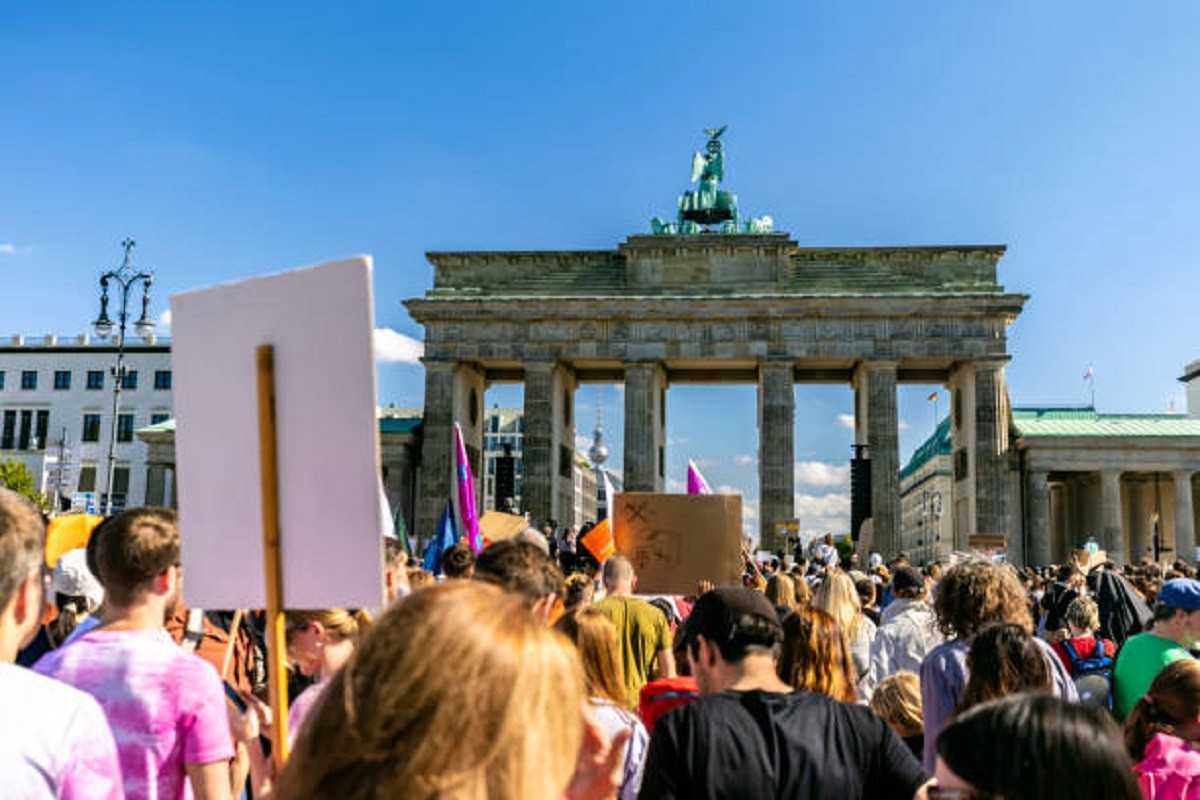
[752,308]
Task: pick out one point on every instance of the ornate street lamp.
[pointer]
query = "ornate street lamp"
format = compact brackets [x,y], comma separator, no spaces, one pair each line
[124,278]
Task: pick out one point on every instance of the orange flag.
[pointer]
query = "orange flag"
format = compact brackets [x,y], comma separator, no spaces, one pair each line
[599,541]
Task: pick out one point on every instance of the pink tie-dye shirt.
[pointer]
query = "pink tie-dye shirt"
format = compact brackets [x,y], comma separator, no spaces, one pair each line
[54,741]
[166,706]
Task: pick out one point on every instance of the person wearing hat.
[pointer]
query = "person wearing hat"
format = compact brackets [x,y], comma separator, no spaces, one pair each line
[1176,629]
[751,735]
[907,630]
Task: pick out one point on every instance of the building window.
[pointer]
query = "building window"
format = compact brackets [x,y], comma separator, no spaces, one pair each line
[162,379]
[130,379]
[120,480]
[29,379]
[91,428]
[62,379]
[95,379]
[26,429]
[43,428]
[87,479]
[159,416]
[9,435]
[124,427]
[1,379]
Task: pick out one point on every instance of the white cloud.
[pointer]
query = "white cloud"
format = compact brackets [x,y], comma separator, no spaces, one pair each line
[393,347]
[820,475]
[902,425]
[744,460]
[819,513]
[846,420]
[7,249]
[164,321]
[676,486]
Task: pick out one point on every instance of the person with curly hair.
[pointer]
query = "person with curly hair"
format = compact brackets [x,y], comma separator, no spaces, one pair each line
[971,595]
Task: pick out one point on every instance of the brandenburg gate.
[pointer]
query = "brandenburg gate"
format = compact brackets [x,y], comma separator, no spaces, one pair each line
[710,299]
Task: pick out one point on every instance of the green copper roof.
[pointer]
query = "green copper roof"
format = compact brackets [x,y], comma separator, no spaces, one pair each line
[1086,422]
[386,425]
[938,444]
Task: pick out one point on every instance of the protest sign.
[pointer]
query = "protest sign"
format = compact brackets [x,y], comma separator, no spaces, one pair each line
[320,323]
[497,526]
[676,540]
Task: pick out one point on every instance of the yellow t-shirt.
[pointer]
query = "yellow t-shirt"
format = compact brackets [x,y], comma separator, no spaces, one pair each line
[642,631]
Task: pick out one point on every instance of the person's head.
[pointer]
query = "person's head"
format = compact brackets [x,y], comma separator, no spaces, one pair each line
[1003,660]
[933,570]
[618,575]
[578,591]
[1170,706]
[22,591]
[139,560]
[418,577]
[837,596]
[828,538]
[866,591]
[539,539]
[727,628]
[457,692]
[1051,750]
[897,701]
[320,641]
[1177,611]
[1069,573]
[781,591]
[973,593]
[1083,616]
[525,570]
[77,593]
[395,569]
[816,656]
[908,584]
[599,649]
[458,562]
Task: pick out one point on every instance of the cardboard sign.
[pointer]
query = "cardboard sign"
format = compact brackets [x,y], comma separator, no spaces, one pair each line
[320,321]
[497,526]
[677,540]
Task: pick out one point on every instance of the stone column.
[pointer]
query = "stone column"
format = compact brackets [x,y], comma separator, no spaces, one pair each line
[1137,521]
[548,448]
[776,468]
[156,485]
[1185,521]
[1037,496]
[453,393]
[1111,537]
[645,426]
[875,387]
[992,487]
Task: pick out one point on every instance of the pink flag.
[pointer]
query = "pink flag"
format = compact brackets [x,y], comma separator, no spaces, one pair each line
[696,482]
[466,492]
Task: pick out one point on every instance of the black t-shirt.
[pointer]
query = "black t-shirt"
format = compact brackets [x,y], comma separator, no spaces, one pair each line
[771,745]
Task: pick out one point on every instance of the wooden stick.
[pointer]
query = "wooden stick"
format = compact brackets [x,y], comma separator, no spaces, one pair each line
[227,662]
[276,628]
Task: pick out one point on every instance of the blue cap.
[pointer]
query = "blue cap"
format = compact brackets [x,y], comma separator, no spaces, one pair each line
[1183,593]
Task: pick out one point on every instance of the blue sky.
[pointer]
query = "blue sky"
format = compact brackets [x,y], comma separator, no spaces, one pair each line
[234,139]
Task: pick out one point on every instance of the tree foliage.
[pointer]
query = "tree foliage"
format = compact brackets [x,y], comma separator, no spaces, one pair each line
[19,479]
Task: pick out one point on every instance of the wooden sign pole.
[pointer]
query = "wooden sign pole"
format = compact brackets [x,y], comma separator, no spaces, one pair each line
[276,627]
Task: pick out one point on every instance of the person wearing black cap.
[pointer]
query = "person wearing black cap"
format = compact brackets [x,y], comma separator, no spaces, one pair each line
[1176,628]
[907,630]
[750,735]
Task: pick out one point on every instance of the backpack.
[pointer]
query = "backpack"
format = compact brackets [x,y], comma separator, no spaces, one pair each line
[1093,675]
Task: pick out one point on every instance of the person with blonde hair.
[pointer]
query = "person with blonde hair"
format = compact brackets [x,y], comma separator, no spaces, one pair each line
[1162,732]
[320,642]
[781,591]
[600,654]
[815,655]
[456,692]
[897,701]
[837,596]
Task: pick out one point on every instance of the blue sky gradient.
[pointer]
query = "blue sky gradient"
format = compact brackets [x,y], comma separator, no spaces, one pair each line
[234,139]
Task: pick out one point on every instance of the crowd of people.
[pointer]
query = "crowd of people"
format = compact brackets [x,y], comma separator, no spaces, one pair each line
[529,670]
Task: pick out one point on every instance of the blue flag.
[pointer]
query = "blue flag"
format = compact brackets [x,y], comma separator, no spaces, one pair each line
[445,537]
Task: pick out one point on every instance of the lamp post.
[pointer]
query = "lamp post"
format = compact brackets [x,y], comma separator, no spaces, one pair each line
[124,278]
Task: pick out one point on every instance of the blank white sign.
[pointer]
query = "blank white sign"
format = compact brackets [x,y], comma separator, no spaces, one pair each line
[320,320]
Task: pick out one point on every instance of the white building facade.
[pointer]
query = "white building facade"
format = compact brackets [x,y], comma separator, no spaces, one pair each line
[56,414]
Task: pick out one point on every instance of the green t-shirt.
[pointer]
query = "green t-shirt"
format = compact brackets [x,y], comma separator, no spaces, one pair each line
[642,631]
[1140,660]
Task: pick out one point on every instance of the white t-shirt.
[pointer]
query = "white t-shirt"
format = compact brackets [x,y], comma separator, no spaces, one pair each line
[54,741]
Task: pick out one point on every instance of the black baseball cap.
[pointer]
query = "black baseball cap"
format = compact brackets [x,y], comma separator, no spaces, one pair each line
[735,619]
